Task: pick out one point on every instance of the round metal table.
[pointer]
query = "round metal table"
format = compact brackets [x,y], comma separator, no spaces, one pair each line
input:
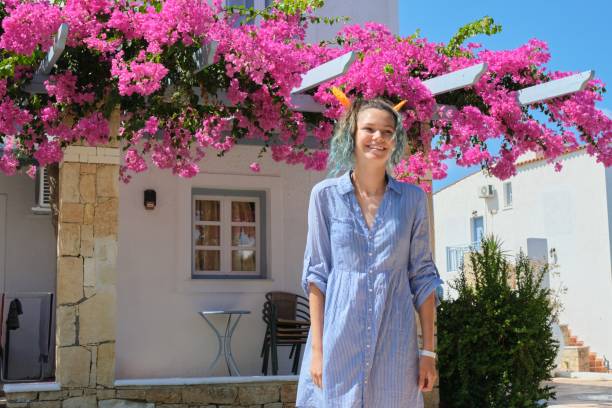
[225,338]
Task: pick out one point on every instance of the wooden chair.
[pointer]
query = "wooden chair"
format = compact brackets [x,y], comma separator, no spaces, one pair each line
[287,321]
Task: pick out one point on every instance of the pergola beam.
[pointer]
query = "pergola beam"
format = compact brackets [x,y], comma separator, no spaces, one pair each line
[311,79]
[205,55]
[306,103]
[37,85]
[554,88]
[325,72]
[455,80]
[301,102]
[439,85]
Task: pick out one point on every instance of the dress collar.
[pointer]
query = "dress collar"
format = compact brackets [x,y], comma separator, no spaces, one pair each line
[345,185]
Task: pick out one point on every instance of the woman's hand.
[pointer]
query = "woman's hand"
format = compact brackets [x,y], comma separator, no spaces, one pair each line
[427,373]
[316,368]
[427,364]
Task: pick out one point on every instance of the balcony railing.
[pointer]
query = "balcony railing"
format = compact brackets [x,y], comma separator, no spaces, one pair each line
[456,254]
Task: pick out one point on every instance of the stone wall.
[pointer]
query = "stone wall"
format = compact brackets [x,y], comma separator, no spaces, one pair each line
[252,395]
[86,267]
[575,358]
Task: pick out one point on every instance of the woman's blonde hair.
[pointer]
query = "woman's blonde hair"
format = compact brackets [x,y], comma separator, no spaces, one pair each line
[341,154]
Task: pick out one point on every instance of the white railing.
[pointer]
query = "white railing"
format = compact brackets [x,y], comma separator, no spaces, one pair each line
[455,255]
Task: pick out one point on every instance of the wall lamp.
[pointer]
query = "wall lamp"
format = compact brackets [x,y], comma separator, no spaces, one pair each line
[150,199]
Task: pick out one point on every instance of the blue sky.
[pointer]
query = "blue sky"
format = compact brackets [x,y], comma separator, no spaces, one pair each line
[579,36]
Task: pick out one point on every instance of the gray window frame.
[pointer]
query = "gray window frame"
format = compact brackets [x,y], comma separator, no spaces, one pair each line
[262,234]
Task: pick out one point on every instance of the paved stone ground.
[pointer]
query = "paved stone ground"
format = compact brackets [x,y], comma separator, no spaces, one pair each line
[577,393]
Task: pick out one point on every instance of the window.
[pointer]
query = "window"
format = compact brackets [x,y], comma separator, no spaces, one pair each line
[508,194]
[455,256]
[478,230]
[228,234]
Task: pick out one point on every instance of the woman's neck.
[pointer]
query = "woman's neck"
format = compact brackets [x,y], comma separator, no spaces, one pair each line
[369,180]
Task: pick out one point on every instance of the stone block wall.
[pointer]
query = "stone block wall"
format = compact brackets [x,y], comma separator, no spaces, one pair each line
[251,395]
[575,358]
[86,272]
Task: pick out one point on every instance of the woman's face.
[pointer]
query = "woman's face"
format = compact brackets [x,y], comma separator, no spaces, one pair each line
[374,136]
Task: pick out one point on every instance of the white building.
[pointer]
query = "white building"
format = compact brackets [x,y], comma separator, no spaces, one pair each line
[160,289]
[564,217]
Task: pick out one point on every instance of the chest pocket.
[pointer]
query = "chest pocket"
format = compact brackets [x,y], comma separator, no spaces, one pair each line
[343,234]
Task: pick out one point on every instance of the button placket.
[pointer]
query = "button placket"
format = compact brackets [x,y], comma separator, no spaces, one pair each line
[370,301]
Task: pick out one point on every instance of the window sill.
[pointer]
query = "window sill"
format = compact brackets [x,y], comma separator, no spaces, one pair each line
[228,278]
[507,208]
[150,382]
[11,388]
[38,210]
[220,285]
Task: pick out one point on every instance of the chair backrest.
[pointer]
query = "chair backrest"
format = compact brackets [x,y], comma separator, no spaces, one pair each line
[285,303]
[289,306]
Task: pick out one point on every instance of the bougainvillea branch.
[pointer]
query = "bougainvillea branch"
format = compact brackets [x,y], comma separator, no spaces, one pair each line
[137,59]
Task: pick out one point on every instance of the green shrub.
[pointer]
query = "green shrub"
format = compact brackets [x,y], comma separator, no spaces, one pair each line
[495,339]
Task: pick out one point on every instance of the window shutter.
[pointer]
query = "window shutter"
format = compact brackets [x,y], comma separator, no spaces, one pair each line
[45,190]
[42,198]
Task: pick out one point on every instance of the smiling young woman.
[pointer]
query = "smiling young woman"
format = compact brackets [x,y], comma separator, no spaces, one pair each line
[367,267]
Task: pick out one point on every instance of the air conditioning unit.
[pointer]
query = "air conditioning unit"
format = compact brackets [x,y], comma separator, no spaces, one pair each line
[486,191]
[43,193]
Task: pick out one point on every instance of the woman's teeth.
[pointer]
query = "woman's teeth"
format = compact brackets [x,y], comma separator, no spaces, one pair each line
[376,147]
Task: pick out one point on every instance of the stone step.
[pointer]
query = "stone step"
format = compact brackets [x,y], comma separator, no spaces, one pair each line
[576,356]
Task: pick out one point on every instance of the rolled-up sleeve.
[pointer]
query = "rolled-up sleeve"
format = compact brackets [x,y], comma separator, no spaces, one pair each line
[422,272]
[317,256]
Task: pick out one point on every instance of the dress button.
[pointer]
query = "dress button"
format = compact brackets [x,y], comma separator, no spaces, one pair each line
[369,253]
[370,290]
[369,329]
[370,309]
[367,345]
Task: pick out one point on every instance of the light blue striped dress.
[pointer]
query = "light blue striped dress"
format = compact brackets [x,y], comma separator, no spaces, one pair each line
[371,280]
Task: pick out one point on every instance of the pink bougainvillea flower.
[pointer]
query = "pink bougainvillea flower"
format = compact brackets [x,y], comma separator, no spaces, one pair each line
[29,26]
[31,172]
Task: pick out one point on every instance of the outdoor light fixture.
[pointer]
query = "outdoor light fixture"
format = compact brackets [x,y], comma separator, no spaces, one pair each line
[150,199]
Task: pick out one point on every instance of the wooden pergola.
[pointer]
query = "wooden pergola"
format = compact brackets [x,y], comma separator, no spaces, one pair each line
[335,68]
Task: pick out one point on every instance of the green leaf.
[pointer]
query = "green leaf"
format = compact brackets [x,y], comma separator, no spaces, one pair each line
[485,26]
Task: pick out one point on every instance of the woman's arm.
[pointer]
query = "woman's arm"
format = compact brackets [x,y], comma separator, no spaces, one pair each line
[317,304]
[427,316]
[427,365]
[314,278]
